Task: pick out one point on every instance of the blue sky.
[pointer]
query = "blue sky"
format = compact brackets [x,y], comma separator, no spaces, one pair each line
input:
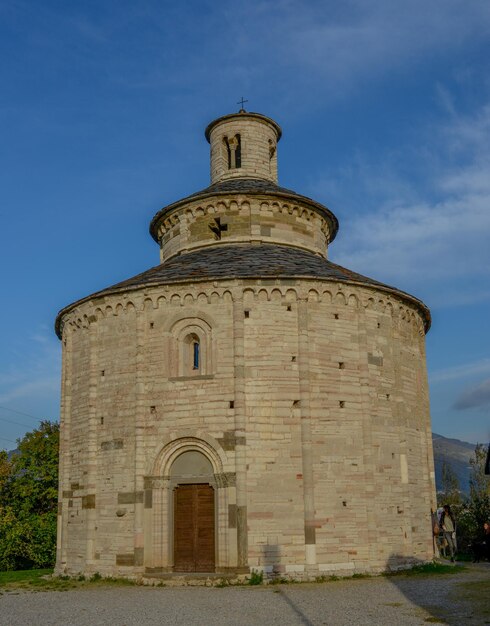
[385,108]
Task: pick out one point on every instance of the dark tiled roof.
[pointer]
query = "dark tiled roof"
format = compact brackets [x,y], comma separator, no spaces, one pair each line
[247,186]
[225,261]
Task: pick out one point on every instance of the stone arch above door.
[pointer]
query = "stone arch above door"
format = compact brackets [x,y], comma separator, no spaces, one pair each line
[170,451]
[191,464]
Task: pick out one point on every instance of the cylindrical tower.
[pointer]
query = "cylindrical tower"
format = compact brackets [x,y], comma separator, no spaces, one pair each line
[243,145]
[245,404]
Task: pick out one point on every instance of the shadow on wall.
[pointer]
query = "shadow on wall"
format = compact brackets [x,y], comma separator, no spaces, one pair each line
[435,593]
[271,556]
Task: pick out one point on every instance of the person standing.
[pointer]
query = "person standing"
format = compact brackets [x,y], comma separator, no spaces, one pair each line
[448,525]
[486,540]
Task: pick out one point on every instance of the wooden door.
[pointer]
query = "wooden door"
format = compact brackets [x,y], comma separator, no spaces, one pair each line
[194,528]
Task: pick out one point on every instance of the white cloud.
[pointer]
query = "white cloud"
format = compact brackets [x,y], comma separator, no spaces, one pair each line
[460,371]
[433,241]
[31,373]
[341,46]
[323,46]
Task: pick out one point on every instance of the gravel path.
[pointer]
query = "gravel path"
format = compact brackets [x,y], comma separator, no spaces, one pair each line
[391,601]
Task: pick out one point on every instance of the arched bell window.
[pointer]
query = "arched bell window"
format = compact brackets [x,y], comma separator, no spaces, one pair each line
[233,151]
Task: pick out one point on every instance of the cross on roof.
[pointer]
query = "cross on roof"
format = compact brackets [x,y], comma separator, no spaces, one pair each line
[241,103]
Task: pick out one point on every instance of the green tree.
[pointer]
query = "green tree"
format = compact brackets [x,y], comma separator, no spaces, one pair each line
[476,509]
[479,502]
[28,500]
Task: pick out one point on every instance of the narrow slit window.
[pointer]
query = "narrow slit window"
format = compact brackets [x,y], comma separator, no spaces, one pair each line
[195,355]
[228,151]
[238,151]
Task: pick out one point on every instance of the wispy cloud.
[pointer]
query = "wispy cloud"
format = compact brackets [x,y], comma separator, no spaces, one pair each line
[31,374]
[474,397]
[335,47]
[317,34]
[43,386]
[460,371]
[432,241]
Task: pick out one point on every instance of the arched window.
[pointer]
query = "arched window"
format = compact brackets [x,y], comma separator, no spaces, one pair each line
[233,151]
[191,352]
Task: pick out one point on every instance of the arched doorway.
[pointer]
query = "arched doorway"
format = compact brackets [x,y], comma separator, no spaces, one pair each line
[193,513]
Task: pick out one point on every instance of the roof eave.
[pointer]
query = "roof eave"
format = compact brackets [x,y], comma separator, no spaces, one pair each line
[105,292]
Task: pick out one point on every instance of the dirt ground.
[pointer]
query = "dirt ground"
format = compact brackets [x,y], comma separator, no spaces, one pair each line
[460,598]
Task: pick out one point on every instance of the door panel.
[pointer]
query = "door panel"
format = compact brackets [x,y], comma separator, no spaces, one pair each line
[194,528]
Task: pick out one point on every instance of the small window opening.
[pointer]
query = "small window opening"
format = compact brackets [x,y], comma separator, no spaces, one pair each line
[217,227]
[101,421]
[228,151]
[153,409]
[289,307]
[387,396]
[234,151]
[195,355]
[336,316]
[102,372]
[272,149]
[379,325]
[293,359]
[296,403]
[238,152]
[341,365]
[246,313]
[344,502]
[232,404]
[342,404]
[152,324]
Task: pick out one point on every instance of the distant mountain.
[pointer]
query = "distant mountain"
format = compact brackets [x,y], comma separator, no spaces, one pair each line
[457,453]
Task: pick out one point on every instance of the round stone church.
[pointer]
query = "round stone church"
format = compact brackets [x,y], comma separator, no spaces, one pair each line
[246,404]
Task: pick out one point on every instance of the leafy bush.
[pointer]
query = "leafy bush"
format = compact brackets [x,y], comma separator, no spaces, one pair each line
[474,511]
[28,500]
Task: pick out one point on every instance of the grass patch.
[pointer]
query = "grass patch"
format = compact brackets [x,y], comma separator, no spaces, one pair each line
[29,575]
[43,580]
[428,568]
[34,580]
[476,594]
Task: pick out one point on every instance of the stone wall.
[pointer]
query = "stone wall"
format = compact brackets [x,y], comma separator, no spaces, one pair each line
[243,219]
[258,139]
[312,409]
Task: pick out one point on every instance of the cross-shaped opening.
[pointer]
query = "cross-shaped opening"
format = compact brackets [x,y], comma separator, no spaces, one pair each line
[217,227]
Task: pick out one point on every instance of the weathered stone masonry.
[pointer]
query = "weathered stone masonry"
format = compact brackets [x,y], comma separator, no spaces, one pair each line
[307,415]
